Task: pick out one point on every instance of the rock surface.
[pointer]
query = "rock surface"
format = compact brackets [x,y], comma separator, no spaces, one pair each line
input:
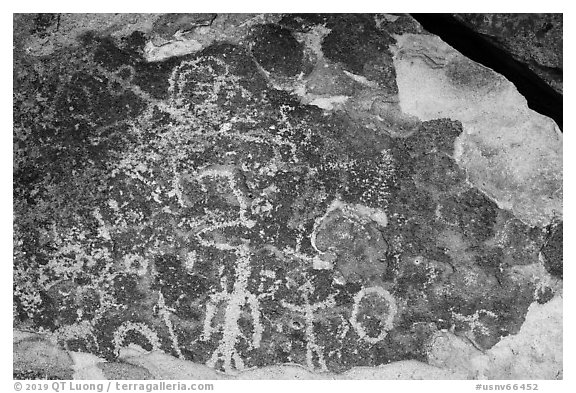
[287,196]
[503,139]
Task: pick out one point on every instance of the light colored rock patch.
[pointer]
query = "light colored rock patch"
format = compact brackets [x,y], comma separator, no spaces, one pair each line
[327,103]
[534,353]
[536,274]
[163,366]
[312,40]
[166,367]
[362,80]
[19,335]
[37,354]
[231,28]
[403,370]
[328,86]
[86,366]
[511,153]
[285,372]
[448,351]
[175,48]
[376,215]
[390,17]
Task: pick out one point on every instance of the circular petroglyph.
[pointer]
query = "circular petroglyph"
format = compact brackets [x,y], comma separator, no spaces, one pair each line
[386,319]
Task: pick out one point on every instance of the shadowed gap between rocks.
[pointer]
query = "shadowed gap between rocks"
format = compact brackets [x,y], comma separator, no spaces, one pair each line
[541,97]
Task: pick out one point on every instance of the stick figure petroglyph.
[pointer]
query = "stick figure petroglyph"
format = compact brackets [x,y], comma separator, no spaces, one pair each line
[309,310]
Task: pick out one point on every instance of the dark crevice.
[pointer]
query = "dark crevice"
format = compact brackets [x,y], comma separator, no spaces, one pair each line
[540,96]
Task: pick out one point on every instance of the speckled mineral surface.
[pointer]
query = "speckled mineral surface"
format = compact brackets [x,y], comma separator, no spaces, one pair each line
[277,196]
